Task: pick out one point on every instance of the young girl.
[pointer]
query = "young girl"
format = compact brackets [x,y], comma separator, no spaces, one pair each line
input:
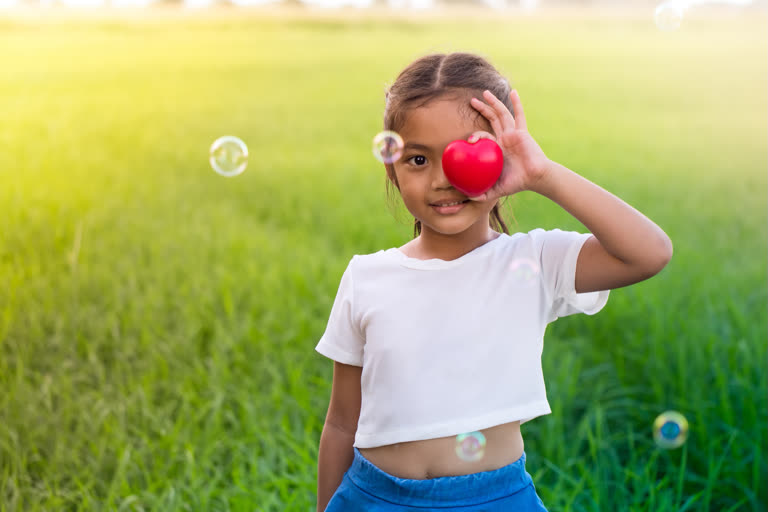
[437,344]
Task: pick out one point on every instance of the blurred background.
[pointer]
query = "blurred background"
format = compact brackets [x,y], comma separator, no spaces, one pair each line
[159,314]
[734,6]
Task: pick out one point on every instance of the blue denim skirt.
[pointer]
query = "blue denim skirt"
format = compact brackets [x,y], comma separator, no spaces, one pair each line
[366,488]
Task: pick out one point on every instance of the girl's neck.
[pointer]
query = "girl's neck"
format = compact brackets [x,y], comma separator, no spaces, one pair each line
[430,245]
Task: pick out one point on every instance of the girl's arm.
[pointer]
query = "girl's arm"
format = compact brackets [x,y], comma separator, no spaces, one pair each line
[627,247]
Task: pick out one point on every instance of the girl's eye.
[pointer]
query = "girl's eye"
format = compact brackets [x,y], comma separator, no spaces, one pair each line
[421,160]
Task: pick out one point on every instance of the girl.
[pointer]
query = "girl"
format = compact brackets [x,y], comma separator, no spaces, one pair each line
[437,344]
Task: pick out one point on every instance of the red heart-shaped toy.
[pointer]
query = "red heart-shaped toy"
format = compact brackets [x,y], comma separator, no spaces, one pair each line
[473,168]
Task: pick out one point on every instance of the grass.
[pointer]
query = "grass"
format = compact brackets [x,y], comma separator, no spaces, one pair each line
[158,321]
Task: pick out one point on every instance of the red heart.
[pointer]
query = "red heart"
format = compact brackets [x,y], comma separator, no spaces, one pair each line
[473,168]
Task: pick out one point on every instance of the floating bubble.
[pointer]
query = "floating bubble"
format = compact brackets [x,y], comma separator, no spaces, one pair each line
[670,429]
[387,146]
[229,155]
[524,271]
[668,16]
[470,446]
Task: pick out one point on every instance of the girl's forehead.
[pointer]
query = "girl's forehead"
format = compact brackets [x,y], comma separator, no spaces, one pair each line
[441,120]
[439,109]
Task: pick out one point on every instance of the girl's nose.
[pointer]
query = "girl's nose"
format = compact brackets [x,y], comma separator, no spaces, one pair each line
[440,177]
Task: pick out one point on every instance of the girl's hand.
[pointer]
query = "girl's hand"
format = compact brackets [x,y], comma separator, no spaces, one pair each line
[524,161]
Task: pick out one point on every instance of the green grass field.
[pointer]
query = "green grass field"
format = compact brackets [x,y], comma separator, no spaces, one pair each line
[158,321]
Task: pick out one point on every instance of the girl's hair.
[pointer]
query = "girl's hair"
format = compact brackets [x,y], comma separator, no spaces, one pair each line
[456,75]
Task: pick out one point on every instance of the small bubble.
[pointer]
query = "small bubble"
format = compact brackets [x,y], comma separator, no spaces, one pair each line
[524,271]
[387,146]
[670,429]
[470,446]
[229,156]
[668,16]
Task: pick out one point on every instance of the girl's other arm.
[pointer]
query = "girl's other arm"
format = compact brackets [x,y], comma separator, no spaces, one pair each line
[626,247]
[336,451]
[335,456]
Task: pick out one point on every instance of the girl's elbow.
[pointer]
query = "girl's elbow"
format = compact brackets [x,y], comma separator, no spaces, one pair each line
[668,250]
[663,257]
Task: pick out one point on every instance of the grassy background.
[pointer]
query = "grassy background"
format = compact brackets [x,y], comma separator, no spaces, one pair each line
[158,321]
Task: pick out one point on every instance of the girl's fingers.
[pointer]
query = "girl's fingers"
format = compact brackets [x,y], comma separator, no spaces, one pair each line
[517,106]
[489,113]
[501,110]
[480,134]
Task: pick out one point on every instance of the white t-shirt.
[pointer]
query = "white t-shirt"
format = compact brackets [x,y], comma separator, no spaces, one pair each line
[449,347]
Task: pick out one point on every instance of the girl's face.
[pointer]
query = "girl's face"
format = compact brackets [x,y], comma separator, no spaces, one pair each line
[426,133]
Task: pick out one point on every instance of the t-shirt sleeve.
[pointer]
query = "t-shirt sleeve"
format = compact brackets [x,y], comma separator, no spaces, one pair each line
[343,340]
[558,252]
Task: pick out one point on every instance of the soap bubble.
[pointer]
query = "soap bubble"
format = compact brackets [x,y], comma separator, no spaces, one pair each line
[524,271]
[470,446]
[668,16]
[229,155]
[670,429]
[387,146]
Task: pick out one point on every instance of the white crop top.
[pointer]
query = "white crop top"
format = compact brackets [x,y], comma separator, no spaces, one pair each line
[449,347]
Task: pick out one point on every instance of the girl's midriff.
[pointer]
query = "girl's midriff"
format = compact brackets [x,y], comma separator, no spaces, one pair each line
[433,458]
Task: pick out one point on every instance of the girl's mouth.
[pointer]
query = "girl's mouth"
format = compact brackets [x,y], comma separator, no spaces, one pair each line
[446,210]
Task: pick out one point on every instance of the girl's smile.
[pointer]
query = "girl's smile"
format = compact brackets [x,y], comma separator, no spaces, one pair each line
[447,210]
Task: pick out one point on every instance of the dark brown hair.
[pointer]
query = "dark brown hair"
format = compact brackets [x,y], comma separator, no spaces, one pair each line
[456,75]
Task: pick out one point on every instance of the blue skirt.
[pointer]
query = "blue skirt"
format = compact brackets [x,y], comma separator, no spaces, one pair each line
[366,488]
